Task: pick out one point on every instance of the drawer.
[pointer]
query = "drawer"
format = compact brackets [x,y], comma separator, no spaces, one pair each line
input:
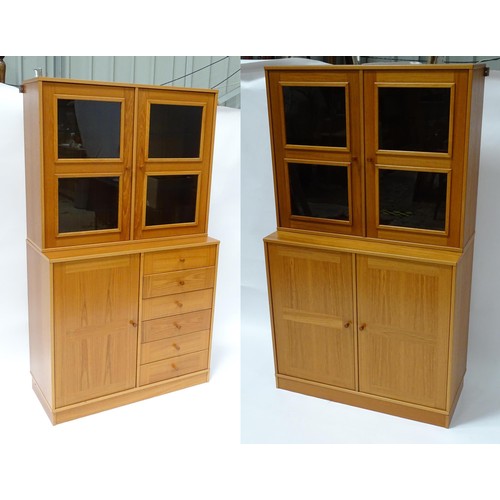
[173,367]
[179,259]
[171,326]
[156,285]
[169,305]
[174,346]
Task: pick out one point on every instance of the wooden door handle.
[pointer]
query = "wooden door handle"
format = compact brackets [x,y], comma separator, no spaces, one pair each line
[362,327]
[347,324]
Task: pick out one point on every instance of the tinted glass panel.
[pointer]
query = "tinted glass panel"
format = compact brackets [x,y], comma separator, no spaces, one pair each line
[174,131]
[414,119]
[413,199]
[319,191]
[88,129]
[88,203]
[171,199]
[315,116]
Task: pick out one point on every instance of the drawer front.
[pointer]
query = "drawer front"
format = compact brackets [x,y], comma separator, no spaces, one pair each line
[171,326]
[174,346]
[156,285]
[169,305]
[179,259]
[173,367]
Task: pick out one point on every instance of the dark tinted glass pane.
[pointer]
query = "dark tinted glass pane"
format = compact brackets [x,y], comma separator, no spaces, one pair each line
[413,199]
[414,119]
[174,131]
[319,191]
[88,203]
[315,116]
[88,129]
[171,199]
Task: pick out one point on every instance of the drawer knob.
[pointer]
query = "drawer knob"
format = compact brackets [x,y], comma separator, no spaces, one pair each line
[176,347]
[133,323]
[177,325]
[182,283]
[362,327]
[182,259]
[174,366]
[178,303]
[347,324]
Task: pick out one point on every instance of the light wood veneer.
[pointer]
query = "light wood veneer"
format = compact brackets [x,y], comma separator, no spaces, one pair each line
[124,313]
[366,313]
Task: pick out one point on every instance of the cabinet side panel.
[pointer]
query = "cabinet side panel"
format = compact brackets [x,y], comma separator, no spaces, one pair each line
[271,83]
[32,152]
[267,251]
[212,314]
[39,299]
[474,145]
[461,313]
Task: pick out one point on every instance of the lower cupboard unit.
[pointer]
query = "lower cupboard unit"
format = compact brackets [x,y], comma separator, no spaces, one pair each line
[380,326]
[116,324]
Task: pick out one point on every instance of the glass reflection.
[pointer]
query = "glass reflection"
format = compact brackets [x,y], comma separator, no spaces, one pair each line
[171,199]
[414,119]
[174,131]
[88,129]
[315,116]
[319,191]
[413,199]
[88,204]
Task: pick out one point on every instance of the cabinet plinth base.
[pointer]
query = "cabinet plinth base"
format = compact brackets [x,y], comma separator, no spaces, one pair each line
[119,399]
[399,409]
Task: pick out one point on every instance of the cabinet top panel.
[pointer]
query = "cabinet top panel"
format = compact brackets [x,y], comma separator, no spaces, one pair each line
[125,248]
[376,67]
[364,246]
[114,84]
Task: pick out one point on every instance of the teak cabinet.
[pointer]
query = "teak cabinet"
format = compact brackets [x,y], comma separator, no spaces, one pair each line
[121,272]
[369,273]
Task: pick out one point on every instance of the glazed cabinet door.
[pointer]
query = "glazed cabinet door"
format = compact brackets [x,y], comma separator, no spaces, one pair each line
[315,124]
[312,305]
[403,329]
[95,324]
[87,153]
[415,140]
[175,135]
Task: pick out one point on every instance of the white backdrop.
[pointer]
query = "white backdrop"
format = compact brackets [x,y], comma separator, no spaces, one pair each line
[271,415]
[134,451]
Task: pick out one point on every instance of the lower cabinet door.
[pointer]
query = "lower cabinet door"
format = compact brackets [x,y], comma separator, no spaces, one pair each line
[95,325]
[403,329]
[312,302]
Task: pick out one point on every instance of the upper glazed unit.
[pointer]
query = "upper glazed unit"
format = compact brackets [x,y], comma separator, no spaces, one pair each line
[387,152]
[116,162]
